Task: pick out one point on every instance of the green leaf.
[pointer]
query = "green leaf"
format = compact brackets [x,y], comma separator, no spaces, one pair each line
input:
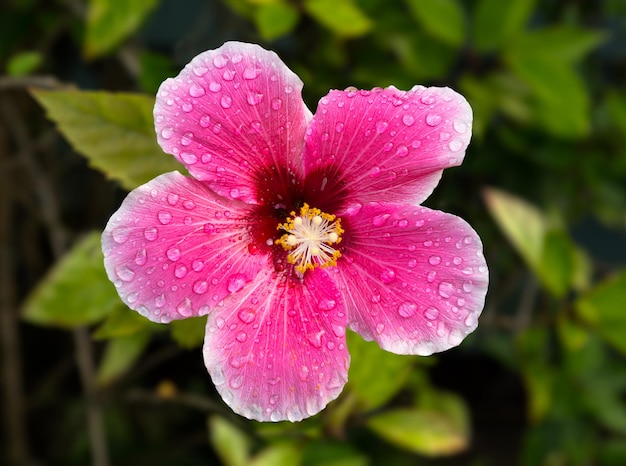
[122,322]
[109,23]
[24,63]
[189,333]
[537,374]
[442,19]
[375,375]
[604,307]
[278,454]
[76,291]
[155,68]
[230,443]
[558,93]
[120,355]
[114,131]
[274,20]
[561,43]
[556,264]
[497,21]
[342,17]
[522,223]
[326,453]
[427,432]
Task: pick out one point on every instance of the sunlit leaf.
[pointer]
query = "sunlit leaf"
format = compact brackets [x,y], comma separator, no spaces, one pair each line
[427,432]
[522,223]
[120,355]
[274,20]
[122,322]
[188,333]
[110,22]
[375,375]
[114,131]
[76,291]
[231,444]
[24,63]
[278,454]
[604,307]
[328,453]
[443,19]
[497,21]
[343,17]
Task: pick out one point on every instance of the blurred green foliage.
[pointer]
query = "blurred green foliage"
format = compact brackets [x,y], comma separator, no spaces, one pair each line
[543,379]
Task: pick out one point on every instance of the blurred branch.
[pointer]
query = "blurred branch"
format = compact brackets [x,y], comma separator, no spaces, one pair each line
[189,400]
[24,82]
[59,240]
[17,440]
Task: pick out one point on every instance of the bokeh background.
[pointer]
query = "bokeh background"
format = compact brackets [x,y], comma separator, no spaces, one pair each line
[541,382]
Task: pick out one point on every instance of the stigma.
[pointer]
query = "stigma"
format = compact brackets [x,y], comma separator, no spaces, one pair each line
[310,238]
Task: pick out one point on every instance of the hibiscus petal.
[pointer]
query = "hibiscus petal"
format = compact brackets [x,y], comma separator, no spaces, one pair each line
[231,116]
[414,279]
[174,249]
[387,144]
[277,350]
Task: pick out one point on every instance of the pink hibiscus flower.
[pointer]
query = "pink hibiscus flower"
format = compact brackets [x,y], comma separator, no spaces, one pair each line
[295,226]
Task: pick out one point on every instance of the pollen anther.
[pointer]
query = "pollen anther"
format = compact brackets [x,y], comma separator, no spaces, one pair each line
[309,237]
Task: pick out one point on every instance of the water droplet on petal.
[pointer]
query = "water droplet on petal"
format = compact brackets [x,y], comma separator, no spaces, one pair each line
[431,276]
[375,172]
[427,99]
[381,126]
[434,260]
[251,73]
[339,127]
[431,313]
[173,254]
[120,234]
[455,145]
[408,120]
[180,271]
[124,273]
[141,257]
[247,315]
[387,276]
[402,151]
[215,86]
[316,339]
[433,119]
[159,301]
[254,98]
[445,289]
[460,126]
[236,383]
[407,309]
[167,132]
[457,260]
[200,287]
[226,101]
[277,103]
[172,199]
[236,282]
[151,233]
[189,204]
[380,328]
[219,61]
[326,304]
[412,263]
[241,337]
[164,217]
[196,91]
[188,158]
[379,220]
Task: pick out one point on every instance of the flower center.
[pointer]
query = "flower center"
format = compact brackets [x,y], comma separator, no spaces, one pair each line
[309,238]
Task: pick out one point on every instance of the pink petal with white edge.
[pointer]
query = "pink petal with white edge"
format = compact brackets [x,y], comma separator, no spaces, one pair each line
[414,279]
[230,116]
[387,144]
[174,249]
[277,349]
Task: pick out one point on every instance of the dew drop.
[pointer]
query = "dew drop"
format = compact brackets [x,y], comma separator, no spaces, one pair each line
[431,313]
[457,260]
[196,91]
[433,119]
[455,145]
[141,257]
[254,98]
[241,337]
[197,265]
[379,220]
[124,273]
[236,282]
[468,287]
[151,233]
[219,61]
[468,271]
[339,127]
[164,217]
[427,99]
[188,204]
[215,86]
[173,254]
[159,301]
[172,199]
[180,271]
[326,304]
[167,132]
[247,315]
[431,276]
[445,289]
[416,144]
[387,276]
[434,260]
[188,158]
[407,309]
[380,328]
[388,146]
[408,120]
[200,287]
[412,263]
[375,172]
[236,383]
[460,126]
[120,234]
[277,104]
[226,101]
[381,126]
[132,298]
[229,75]
[251,73]
[402,151]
